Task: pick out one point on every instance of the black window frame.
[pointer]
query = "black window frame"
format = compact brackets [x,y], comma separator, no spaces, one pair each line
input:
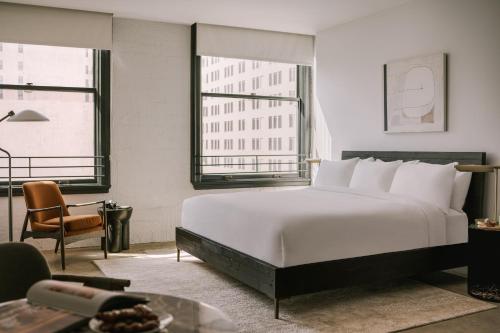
[214,181]
[101,182]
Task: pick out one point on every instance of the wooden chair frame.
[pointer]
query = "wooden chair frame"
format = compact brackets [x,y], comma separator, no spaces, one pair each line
[59,236]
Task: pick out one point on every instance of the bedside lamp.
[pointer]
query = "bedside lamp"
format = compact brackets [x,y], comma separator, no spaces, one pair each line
[25,115]
[483,169]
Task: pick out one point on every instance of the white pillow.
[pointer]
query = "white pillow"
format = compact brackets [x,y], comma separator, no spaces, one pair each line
[335,173]
[460,190]
[432,183]
[374,176]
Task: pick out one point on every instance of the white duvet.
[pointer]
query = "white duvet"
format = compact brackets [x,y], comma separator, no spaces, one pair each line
[294,227]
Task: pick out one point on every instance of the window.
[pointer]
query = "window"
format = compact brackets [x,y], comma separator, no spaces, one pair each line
[241,86]
[241,144]
[274,122]
[241,67]
[255,123]
[241,124]
[265,147]
[241,105]
[71,87]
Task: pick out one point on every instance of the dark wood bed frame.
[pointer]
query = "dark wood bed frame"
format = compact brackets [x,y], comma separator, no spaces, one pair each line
[283,282]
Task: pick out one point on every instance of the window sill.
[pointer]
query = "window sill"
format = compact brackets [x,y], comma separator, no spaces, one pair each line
[248,183]
[65,189]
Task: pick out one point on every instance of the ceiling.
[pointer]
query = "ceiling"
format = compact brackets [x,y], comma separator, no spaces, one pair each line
[299,16]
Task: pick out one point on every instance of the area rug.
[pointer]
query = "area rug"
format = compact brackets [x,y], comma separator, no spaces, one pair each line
[377,308]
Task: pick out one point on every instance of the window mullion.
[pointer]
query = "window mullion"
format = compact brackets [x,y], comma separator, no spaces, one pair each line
[47,88]
[242,96]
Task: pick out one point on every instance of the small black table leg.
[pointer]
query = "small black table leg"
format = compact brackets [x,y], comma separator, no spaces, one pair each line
[276,308]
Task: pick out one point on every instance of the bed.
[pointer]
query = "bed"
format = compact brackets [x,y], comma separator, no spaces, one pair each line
[271,249]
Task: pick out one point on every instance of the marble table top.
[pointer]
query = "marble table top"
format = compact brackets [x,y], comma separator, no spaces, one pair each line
[189,316]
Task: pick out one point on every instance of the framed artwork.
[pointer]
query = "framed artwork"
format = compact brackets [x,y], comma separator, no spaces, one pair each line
[415,94]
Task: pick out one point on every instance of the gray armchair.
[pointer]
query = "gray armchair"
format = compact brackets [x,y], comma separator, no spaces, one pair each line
[22,265]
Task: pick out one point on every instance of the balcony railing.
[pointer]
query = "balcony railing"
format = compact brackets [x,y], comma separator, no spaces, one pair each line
[255,163]
[62,169]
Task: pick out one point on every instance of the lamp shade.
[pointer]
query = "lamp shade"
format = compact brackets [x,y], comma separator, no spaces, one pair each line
[28,115]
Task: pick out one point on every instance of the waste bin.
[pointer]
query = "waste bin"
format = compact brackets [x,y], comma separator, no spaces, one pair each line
[118,228]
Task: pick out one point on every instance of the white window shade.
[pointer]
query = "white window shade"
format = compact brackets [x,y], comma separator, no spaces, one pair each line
[54,26]
[232,42]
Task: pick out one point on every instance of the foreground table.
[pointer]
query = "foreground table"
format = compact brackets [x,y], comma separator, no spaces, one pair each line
[189,316]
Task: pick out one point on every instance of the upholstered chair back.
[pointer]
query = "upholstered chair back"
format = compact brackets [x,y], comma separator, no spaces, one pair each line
[21,265]
[43,194]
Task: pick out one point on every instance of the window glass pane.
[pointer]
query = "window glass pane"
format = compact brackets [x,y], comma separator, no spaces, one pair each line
[46,65]
[248,135]
[70,132]
[238,76]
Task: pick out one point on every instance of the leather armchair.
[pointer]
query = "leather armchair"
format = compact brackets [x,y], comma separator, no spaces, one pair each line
[49,217]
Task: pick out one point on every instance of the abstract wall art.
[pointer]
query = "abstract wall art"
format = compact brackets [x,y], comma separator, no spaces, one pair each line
[415,94]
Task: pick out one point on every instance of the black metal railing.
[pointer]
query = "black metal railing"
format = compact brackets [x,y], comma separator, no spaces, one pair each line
[26,168]
[256,164]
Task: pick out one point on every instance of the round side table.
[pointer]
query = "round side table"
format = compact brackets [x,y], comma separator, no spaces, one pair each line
[118,228]
[483,279]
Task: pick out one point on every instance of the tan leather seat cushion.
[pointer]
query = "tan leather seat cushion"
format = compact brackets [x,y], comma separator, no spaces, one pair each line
[86,231]
[75,222]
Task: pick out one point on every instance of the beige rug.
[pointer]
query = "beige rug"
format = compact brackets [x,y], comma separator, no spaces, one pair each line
[382,308]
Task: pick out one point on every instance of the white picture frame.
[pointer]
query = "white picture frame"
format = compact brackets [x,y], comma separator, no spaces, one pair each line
[415,94]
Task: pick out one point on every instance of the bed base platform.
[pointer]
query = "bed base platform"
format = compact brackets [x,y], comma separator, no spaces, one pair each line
[283,282]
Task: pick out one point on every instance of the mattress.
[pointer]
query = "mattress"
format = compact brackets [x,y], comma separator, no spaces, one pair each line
[295,227]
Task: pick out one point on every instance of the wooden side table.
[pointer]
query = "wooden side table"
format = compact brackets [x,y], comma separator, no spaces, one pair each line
[483,280]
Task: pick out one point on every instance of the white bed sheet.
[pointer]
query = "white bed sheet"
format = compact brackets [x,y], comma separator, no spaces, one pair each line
[294,227]
[456,227]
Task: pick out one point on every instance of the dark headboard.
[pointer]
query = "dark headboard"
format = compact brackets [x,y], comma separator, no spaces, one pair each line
[474,204]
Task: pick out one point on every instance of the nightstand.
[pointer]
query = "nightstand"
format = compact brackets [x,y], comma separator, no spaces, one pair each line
[484,263]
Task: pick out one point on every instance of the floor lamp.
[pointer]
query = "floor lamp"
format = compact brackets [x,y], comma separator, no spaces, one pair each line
[26,115]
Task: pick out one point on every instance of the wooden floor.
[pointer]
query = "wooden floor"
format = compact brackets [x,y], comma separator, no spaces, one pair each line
[79,261]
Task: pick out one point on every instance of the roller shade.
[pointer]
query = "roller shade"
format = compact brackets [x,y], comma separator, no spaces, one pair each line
[54,26]
[231,42]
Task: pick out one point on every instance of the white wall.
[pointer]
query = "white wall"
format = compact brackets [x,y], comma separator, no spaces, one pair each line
[350,77]
[150,128]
